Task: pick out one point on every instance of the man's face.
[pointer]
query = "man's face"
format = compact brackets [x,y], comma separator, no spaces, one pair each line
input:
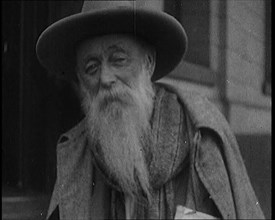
[106,61]
[114,73]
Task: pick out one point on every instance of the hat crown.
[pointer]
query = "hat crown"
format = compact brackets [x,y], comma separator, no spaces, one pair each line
[99,5]
[89,6]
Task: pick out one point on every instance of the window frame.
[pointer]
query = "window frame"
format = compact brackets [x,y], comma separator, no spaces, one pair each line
[197,73]
[267,87]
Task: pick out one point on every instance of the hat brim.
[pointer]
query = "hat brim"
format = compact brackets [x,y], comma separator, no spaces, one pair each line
[56,45]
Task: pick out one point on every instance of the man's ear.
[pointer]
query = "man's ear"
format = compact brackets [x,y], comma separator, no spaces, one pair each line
[151,62]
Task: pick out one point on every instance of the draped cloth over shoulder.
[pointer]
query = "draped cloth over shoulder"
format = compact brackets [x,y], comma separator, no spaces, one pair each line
[241,201]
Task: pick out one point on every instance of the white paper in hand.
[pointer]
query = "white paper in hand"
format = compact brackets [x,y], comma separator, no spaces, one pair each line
[186,213]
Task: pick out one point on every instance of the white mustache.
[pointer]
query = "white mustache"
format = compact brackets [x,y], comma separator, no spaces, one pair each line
[122,96]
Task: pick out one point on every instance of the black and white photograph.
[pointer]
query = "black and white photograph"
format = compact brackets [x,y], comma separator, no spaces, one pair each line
[136,109]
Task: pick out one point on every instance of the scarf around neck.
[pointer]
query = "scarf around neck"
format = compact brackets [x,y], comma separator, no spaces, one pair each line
[168,155]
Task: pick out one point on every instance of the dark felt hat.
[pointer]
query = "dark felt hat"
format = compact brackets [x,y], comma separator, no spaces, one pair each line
[56,45]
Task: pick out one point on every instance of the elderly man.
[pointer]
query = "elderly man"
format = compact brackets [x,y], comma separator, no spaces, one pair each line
[144,150]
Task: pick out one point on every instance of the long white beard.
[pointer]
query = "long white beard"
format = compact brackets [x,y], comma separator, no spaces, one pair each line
[118,120]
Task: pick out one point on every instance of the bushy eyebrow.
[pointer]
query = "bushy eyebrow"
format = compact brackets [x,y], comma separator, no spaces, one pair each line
[90,57]
[116,48]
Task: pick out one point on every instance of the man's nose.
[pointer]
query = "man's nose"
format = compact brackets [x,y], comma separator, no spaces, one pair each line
[107,77]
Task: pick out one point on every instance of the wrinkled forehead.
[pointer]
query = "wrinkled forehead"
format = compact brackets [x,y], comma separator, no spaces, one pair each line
[105,43]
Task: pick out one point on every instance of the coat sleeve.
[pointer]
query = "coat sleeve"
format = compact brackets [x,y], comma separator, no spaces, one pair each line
[222,180]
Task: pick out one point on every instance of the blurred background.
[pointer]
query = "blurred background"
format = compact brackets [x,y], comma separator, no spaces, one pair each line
[228,61]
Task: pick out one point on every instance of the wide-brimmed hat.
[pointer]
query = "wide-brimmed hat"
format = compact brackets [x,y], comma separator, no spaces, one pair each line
[56,45]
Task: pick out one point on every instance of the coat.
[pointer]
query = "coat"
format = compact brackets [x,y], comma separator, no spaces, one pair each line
[81,193]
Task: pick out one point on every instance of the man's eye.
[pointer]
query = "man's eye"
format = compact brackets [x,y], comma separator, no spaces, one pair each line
[119,60]
[91,69]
